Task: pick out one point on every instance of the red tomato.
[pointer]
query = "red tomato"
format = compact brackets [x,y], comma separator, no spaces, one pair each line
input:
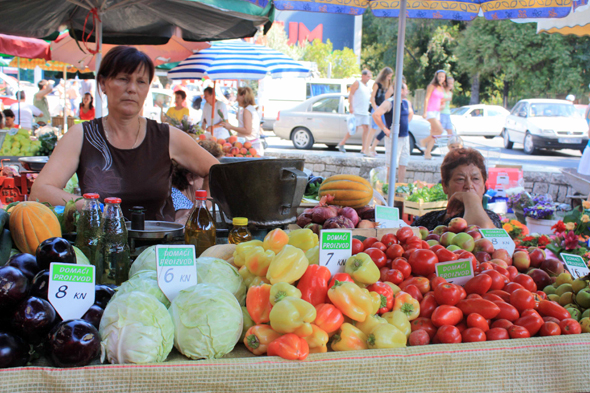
[377,256]
[550,309]
[448,334]
[446,315]
[421,283]
[422,262]
[485,308]
[512,272]
[512,286]
[419,337]
[542,295]
[391,275]
[380,246]
[507,311]
[501,323]
[388,239]
[473,335]
[445,255]
[414,242]
[357,246]
[499,281]
[502,271]
[492,298]
[479,284]
[477,321]
[425,245]
[551,319]
[463,293]
[437,247]
[449,294]
[402,265]
[428,305]
[414,292]
[550,329]
[518,332]
[497,334]
[461,326]
[436,281]
[407,253]
[570,326]
[424,324]
[522,299]
[532,323]
[485,266]
[368,242]
[394,251]
[464,254]
[404,234]
[526,281]
[503,294]
[474,296]
[530,311]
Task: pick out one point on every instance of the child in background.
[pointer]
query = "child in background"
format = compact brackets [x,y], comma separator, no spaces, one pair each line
[455,142]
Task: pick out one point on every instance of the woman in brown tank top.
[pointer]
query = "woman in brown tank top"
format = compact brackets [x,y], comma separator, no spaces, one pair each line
[123,154]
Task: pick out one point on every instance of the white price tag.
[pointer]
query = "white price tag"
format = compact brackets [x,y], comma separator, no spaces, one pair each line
[499,238]
[455,272]
[388,217]
[575,264]
[71,289]
[176,267]
[335,249]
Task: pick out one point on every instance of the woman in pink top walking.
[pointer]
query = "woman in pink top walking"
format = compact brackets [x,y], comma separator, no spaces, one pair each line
[432,107]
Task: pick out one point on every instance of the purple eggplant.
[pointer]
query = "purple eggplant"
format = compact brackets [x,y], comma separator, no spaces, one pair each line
[33,319]
[14,287]
[14,351]
[26,263]
[73,343]
[55,249]
[93,315]
[40,284]
[102,295]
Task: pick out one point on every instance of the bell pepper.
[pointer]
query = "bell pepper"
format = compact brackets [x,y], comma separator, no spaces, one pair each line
[304,239]
[351,300]
[257,260]
[258,303]
[258,337]
[287,266]
[290,347]
[385,335]
[399,320]
[250,280]
[292,315]
[281,290]
[407,304]
[313,255]
[275,240]
[247,324]
[339,277]
[386,294]
[317,340]
[376,301]
[369,324]
[394,287]
[314,284]
[328,318]
[362,269]
[349,338]
[241,249]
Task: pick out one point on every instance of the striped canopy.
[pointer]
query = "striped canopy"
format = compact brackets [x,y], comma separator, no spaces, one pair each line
[238,60]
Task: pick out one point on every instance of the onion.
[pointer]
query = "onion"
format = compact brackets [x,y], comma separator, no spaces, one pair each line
[303,220]
[366,213]
[351,214]
[338,222]
[367,224]
[322,213]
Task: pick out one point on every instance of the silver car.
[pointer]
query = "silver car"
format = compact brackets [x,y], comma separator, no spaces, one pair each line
[324,119]
[479,120]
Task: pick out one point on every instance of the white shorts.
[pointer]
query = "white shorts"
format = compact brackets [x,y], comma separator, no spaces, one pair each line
[433,115]
[362,120]
[403,150]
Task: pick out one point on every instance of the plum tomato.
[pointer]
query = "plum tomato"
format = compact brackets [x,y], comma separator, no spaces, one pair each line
[394,251]
[477,321]
[368,242]
[497,333]
[422,262]
[518,332]
[474,296]
[507,311]
[445,255]
[522,299]
[389,239]
[479,284]
[449,294]
[414,292]
[419,337]
[428,305]
[492,298]
[404,234]
[512,286]
[377,256]
[424,324]
[392,275]
[448,334]
[550,329]
[501,323]
[526,281]
[499,280]
[436,281]
[446,315]
[380,246]
[357,246]
[473,335]
[402,265]
[570,326]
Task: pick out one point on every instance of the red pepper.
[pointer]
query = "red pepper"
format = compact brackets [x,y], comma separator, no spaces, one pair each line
[340,277]
[386,294]
[289,346]
[314,284]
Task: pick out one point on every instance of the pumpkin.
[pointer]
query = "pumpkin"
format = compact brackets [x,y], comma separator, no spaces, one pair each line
[221,251]
[348,190]
[31,223]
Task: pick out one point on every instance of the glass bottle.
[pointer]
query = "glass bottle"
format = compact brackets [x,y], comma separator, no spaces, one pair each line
[200,227]
[239,233]
[112,256]
[89,227]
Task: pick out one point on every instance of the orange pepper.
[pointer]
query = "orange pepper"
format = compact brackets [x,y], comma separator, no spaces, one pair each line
[328,318]
[407,304]
[422,283]
[257,260]
[258,303]
[349,338]
[258,337]
[317,341]
[353,301]
[290,347]
[275,240]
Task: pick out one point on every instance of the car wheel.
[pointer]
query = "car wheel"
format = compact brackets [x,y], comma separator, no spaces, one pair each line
[302,138]
[414,145]
[489,137]
[529,144]
[507,143]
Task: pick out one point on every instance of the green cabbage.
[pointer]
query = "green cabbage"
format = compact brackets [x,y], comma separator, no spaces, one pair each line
[144,281]
[80,257]
[207,321]
[217,271]
[136,328]
[145,261]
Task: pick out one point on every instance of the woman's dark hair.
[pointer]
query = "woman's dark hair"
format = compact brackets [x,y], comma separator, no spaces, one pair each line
[90,106]
[124,59]
[462,156]
[8,113]
[434,80]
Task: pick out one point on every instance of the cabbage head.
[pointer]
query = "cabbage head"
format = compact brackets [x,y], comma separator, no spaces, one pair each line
[145,261]
[143,281]
[136,328]
[217,271]
[80,257]
[207,321]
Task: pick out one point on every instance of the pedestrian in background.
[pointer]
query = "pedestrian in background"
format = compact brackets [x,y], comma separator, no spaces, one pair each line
[432,107]
[73,96]
[359,102]
[382,90]
[40,101]
[445,112]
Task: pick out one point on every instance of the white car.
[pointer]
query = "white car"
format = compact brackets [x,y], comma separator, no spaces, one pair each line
[479,120]
[324,119]
[545,124]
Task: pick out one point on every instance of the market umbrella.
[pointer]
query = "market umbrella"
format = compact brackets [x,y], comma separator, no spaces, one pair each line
[31,48]
[576,23]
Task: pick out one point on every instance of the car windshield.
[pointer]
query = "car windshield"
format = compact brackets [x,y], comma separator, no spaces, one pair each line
[329,105]
[552,110]
[459,111]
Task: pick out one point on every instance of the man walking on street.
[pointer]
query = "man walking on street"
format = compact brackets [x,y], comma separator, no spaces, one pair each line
[359,101]
[41,103]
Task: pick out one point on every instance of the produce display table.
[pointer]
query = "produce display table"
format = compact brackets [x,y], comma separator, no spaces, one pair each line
[549,364]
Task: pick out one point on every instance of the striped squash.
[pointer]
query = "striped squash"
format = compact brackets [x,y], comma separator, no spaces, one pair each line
[30,224]
[348,190]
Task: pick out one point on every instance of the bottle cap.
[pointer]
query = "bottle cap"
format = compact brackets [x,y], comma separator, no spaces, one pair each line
[240,221]
[201,195]
[112,200]
[91,196]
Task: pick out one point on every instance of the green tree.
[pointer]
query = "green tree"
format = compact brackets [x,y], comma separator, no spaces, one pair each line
[277,39]
[343,62]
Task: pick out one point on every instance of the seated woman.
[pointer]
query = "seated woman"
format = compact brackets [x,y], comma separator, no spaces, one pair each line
[464,176]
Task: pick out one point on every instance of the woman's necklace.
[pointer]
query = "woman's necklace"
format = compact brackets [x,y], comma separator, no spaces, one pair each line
[106,127]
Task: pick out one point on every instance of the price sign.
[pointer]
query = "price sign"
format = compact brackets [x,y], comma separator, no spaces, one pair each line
[455,272]
[576,265]
[71,289]
[176,266]
[500,239]
[335,249]
[388,217]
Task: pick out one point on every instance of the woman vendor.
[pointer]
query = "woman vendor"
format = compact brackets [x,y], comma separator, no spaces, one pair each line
[123,154]
[248,120]
[464,176]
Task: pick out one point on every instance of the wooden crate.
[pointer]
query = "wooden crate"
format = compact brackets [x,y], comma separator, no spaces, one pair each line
[420,208]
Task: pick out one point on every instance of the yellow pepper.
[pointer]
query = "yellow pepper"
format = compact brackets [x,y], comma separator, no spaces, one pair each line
[303,239]
[369,324]
[376,300]
[353,301]
[399,320]
[349,339]
[241,249]
[385,335]
[275,240]
[292,315]
[362,269]
[250,280]
[247,324]
[257,260]
[395,288]
[281,290]
[317,340]
[313,255]
[405,303]
[287,266]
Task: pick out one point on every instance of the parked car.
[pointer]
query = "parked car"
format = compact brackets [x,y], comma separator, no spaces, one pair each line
[324,119]
[479,120]
[545,124]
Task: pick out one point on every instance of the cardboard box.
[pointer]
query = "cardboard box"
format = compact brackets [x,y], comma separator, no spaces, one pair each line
[420,208]
[502,178]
